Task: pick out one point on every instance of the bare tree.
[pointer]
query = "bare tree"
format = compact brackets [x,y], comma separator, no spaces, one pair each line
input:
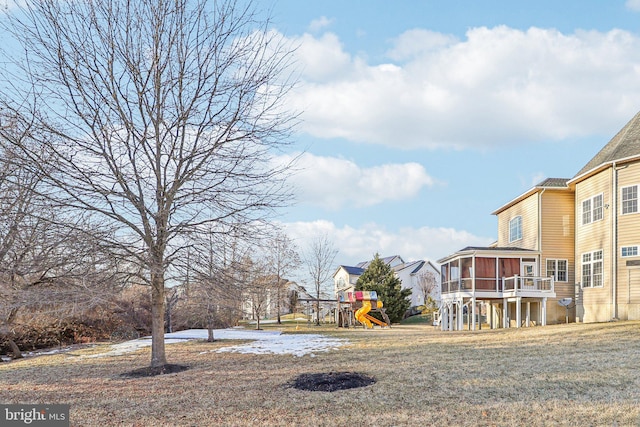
[259,290]
[158,117]
[427,283]
[218,269]
[17,190]
[45,264]
[282,260]
[172,297]
[55,272]
[319,259]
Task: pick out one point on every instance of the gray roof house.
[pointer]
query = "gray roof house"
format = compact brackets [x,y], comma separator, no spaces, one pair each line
[411,274]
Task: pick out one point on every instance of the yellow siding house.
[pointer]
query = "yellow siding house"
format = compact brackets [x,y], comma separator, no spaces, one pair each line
[567,250]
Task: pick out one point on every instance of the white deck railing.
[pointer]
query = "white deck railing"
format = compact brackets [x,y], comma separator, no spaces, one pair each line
[527,283]
[508,285]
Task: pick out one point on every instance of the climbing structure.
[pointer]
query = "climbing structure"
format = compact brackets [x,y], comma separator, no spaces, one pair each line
[356,306]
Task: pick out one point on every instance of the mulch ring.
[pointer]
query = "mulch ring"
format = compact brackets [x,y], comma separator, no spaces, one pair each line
[331,381]
[152,371]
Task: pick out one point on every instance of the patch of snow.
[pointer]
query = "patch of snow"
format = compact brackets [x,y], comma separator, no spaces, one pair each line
[263,342]
[298,345]
[46,352]
[272,321]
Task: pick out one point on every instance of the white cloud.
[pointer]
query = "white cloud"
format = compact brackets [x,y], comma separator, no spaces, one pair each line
[323,58]
[320,23]
[498,86]
[416,42]
[633,5]
[360,244]
[336,183]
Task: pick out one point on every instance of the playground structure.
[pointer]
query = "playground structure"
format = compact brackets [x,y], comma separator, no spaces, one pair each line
[326,307]
[356,306]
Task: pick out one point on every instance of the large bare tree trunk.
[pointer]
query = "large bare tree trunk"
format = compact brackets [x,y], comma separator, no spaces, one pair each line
[13,313]
[257,321]
[158,357]
[17,354]
[278,298]
[210,337]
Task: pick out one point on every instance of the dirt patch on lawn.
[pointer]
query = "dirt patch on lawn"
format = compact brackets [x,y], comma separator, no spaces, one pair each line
[152,371]
[331,381]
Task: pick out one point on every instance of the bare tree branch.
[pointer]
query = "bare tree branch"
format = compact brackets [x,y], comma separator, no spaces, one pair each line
[158,117]
[319,259]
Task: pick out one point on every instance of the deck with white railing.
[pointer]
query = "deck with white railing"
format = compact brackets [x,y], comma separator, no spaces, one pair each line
[509,299]
[506,287]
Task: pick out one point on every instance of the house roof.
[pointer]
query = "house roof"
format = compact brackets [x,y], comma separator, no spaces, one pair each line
[549,183]
[488,250]
[414,266]
[353,270]
[624,145]
[495,248]
[553,183]
[417,266]
[387,260]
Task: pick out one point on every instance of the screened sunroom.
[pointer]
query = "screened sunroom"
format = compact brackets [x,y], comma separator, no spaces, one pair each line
[498,286]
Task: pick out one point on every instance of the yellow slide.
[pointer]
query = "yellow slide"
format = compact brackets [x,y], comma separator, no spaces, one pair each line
[361,314]
[363,317]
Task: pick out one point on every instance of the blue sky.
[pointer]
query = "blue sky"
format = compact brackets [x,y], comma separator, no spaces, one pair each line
[420,118]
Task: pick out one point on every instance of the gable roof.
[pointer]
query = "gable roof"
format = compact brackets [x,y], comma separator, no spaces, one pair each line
[554,183]
[625,144]
[415,266]
[387,260]
[489,251]
[353,270]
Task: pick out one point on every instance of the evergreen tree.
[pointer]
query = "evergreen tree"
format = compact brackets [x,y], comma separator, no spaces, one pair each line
[380,277]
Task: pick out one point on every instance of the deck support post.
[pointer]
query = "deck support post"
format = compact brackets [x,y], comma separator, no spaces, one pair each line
[451,325]
[505,311]
[444,316]
[490,313]
[544,312]
[473,313]
[528,318]
[518,311]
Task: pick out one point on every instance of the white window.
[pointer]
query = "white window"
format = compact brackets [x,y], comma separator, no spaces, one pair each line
[597,207]
[592,269]
[628,251]
[630,199]
[592,209]
[515,229]
[557,268]
[586,212]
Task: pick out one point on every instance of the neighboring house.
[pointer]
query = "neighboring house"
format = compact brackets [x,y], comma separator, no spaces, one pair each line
[572,238]
[266,298]
[409,273]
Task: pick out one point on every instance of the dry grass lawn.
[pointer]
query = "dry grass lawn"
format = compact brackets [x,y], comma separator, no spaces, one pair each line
[557,375]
